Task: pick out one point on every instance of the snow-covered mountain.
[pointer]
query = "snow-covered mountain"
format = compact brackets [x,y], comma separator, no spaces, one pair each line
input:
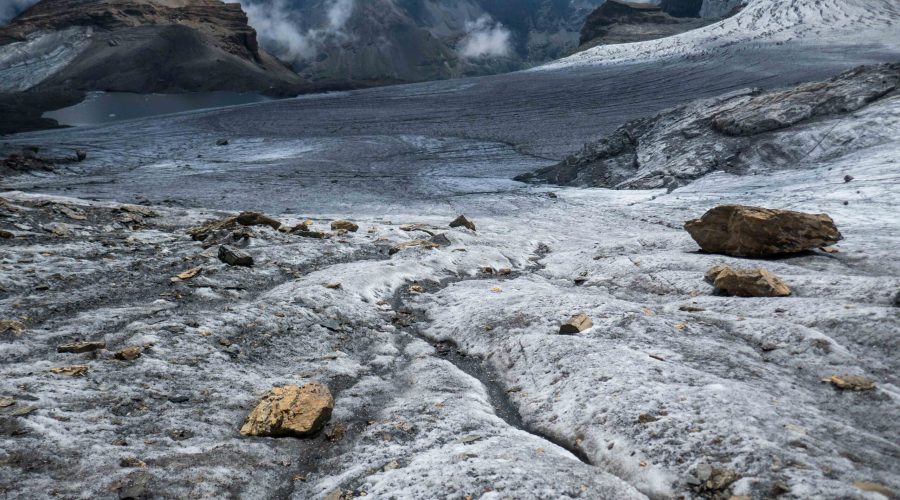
[763,22]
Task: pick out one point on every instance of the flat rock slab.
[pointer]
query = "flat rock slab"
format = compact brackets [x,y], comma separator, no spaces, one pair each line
[744,231]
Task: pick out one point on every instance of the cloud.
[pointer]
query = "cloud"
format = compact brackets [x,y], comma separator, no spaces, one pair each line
[12,8]
[281,33]
[485,38]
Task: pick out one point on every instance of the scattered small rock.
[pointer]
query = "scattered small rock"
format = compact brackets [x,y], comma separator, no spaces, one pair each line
[200,233]
[747,282]
[4,402]
[58,229]
[333,286]
[744,231]
[186,275]
[413,243]
[6,234]
[290,411]
[234,257]
[71,371]
[646,418]
[462,221]
[131,462]
[689,308]
[336,433]
[310,234]
[72,212]
[848,178]
[851,382]
[504,271]
[576,324]
[138,210]
[22,411]
[345,225]
[129,353]
[416,288]
[80,347]
[80,155]
[392,465]
[720,479]
[11,325]
[222,142]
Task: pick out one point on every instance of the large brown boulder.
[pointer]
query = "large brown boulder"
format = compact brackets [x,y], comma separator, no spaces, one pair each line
[744,231]
[290,411]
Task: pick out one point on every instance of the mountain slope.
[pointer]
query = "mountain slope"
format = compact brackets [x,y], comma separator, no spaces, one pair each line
[137,46]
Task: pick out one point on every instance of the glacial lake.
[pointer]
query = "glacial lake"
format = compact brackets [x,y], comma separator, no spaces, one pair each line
[106,107]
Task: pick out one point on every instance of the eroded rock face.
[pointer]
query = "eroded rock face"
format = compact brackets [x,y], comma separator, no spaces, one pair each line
[747,282]
[743,231]
[626,22]
[290,411]
[741,132]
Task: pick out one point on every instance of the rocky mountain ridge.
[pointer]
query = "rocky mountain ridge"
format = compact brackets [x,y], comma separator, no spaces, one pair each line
[743,132]
[623,22]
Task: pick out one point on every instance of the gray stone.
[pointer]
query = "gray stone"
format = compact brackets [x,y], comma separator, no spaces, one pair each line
[234,257]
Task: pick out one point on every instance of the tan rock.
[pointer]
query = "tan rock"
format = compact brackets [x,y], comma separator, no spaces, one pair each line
[11,325]
[713,272]
[345,225]
[851,382]
[290,411]
[720,479]
[875,488]
[744,231]
[462,221]
[188,274]
[748,282]
[139,210]
[129,353]
[576,324]
[72,212]
[71,371]
[79,347]
[413,243]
